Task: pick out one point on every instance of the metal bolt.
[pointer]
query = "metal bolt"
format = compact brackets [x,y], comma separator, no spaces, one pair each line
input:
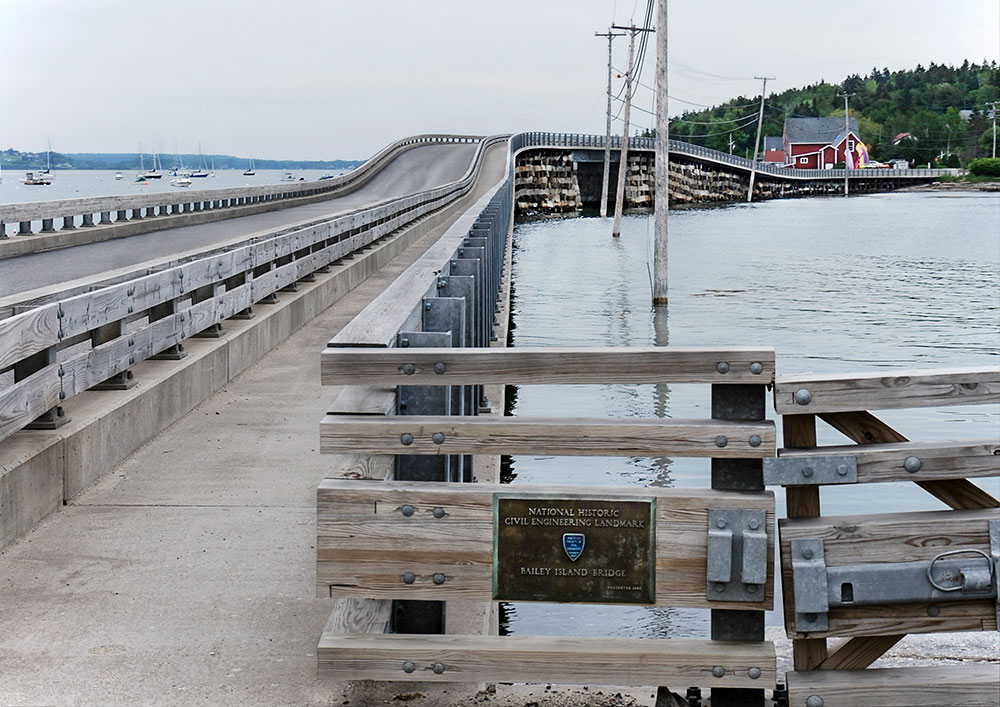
[754,440]
[722,367]
[406,438]
[404,342]
[409,369]
[721,441]
[756,368]
[438,512]
[807,471]
[814,701]
[913,464]
[408,667]
[440,368]
[803,397]
[751,588]
[427,306]
[409,578]
[754,673]
[720,587]
[438,578]
[807,553]
[61,372]
[811,618]
[933,610]
[754,524]
[438,668]
[62,394]
[842,470]
[721,522]
[718,671]
[437,438]
[407,510]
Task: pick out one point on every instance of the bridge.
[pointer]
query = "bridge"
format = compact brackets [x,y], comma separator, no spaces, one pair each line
[191,373]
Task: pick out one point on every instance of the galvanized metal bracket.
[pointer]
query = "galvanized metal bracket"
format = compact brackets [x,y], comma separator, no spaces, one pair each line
[810,471]
[953,575]
[737,554]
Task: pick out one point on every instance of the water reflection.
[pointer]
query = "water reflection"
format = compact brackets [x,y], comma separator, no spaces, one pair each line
[834,285]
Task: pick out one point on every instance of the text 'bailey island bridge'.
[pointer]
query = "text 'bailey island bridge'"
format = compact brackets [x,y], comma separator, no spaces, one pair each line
[179,341]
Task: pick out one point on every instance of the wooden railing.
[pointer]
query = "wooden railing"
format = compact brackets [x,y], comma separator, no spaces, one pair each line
[117,209]
[129,321]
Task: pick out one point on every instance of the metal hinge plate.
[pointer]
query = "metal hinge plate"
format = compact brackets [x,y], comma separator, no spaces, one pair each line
[810,470]
[737,554]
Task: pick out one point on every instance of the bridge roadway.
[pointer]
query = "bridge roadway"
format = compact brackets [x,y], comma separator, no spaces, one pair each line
[414,170]
[186,575]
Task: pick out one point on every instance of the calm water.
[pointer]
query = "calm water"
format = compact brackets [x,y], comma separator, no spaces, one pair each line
[73,184]
[834,285]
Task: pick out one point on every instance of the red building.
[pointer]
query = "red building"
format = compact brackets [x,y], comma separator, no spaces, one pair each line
[817,143]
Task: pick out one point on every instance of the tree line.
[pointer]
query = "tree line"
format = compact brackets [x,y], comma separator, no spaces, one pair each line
[927,103]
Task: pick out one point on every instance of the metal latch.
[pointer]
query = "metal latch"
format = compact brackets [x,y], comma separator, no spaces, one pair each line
[810,470]
[952,575]
[737,554]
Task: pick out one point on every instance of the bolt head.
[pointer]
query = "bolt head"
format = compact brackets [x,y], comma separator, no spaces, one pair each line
[754,524]
[438,578]
[811,618]
[754,673]
[720,587]
[721,522]
[807,471]
[803,397]
[842,470]
[438,512]
[406,438]
[814,701]
[409,578]
[756,368]
[933,610]
[751,588]
[409,369]
[409,667]
[407,510]
[438,668]
[807,553]
[913,464]
[755,441]
[718,671]
[440,368]
[722,367]
[437,438]
[721,441]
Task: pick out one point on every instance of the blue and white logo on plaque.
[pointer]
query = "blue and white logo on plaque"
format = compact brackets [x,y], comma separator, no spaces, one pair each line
[573,545]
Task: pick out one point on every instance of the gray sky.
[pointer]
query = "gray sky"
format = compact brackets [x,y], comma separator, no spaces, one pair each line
[327,79]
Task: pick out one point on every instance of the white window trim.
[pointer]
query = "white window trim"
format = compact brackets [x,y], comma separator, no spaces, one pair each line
[803,160]
[850,145]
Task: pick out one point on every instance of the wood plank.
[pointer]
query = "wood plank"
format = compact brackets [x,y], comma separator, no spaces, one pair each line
[588,661]
[27,400]
[525,366]
[365,544]
[27,333]
[887,538]
[939,460]
[889,389]
[358,616]
[859,652]
[557,436]
[975,685]
[803,502]
[865,428]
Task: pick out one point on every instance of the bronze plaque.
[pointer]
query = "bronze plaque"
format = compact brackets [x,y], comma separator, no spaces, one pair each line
[574,549]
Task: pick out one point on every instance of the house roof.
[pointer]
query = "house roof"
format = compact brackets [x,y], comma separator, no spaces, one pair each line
[773,143]
[825,131]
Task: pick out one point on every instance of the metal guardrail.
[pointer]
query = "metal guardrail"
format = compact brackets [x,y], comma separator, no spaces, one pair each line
[115,209]
[572,140]
[64,345]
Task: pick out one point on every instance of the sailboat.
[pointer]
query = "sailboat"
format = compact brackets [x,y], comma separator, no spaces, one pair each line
[155,173]
[200,172]
[250,171]
[45,176]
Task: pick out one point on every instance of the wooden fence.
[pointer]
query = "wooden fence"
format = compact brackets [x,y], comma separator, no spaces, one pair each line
[74,341]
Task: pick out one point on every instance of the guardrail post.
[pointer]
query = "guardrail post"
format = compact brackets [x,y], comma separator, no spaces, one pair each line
[24,228]
[88,220]
[103,335]
[161,311]
[746,403]
[105,217]
[53,417]
[69,223]
[47,226]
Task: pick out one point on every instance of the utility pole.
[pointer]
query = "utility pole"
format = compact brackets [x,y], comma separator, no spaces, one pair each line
[756,142]
[661,164]
[623,154]
[994,104]
[847,134]
[607,133]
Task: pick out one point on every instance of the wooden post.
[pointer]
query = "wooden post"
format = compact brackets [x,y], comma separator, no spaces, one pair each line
[662,161]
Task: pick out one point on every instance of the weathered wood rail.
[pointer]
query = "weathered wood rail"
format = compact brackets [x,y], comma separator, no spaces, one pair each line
[118,209]
[138,318]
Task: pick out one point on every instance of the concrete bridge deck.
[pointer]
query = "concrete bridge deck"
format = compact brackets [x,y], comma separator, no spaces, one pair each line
[186,574]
